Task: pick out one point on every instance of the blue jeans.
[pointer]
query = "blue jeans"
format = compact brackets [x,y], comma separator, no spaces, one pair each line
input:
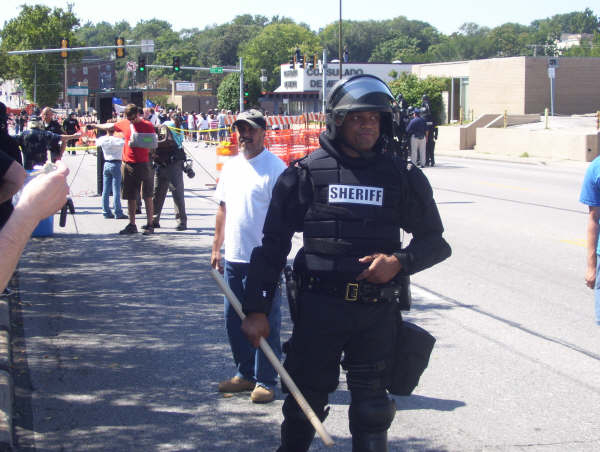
[251,363]
[597,290]
[111,183]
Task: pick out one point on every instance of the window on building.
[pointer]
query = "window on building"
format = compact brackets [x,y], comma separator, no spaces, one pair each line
[85,70]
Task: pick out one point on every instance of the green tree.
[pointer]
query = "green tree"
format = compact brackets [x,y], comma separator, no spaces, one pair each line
[413,88]
[273,46]
[402,48]
[38,27]
[228,94]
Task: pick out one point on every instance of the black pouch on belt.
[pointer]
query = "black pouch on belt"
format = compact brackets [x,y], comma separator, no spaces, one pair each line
[411,357]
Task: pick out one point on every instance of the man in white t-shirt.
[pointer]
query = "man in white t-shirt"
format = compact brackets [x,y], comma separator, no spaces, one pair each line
[244,193]
[112,148]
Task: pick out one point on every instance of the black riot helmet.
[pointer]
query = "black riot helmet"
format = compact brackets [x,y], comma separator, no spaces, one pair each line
[362,92]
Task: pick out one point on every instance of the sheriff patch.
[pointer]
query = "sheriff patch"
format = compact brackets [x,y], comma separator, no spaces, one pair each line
[355,194]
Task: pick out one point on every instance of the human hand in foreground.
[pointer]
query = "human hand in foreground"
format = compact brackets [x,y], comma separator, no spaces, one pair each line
[45,194]
[255,326]
[382,268]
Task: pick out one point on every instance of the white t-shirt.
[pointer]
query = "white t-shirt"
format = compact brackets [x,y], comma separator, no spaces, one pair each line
[112,147]
[246,187]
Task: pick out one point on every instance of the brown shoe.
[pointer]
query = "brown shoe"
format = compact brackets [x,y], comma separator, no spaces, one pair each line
[262,395]
[236,384]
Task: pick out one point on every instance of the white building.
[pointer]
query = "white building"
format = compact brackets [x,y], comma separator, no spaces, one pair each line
[301,89]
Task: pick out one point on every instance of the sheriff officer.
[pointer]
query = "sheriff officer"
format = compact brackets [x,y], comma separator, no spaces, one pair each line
[350,198]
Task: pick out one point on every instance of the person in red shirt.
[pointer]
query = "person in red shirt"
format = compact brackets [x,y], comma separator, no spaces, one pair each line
[137,169]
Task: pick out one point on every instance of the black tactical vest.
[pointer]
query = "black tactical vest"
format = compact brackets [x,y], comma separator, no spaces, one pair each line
[355,212]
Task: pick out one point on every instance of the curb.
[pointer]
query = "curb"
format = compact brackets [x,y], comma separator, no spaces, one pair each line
[470,154]
[6,381]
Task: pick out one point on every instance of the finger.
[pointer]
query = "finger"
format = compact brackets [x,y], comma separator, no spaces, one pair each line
[366,259]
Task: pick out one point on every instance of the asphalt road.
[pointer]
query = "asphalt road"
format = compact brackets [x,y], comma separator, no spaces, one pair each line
[120,340]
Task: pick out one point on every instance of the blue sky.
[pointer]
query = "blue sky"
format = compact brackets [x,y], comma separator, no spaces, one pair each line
[446,16]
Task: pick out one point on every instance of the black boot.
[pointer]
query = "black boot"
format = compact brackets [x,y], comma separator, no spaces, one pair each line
[296,430]
[370,442]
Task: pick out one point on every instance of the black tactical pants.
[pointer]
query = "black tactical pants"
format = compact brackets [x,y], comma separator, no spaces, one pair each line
[365,334]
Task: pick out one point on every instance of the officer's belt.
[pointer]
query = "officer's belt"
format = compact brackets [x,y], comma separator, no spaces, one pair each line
[358,292]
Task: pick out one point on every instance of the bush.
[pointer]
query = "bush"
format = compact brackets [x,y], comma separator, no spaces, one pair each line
[413,88]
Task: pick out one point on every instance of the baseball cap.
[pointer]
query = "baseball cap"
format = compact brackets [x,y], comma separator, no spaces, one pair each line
[253,117]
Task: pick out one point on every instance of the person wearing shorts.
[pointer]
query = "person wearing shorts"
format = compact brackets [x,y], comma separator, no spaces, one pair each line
[137,170]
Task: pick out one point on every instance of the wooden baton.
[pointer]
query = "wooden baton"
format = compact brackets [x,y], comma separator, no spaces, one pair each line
[266,348]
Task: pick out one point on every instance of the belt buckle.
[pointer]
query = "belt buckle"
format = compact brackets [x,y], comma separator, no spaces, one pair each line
[351,292]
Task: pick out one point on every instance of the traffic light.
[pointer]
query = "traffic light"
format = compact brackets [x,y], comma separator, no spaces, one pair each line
[292,63]
[301,62]
[176,64]
[142,63]
[64,44]
[120,51]
[309,62]
[315,61]
[246,93]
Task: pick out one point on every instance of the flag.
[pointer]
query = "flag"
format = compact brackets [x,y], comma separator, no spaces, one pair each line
[117,101]
[150,104]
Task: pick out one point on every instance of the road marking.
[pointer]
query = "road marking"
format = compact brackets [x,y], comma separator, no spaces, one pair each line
[510,187]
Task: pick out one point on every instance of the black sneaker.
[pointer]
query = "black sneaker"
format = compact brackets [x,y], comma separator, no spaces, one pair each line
[121,216]
[108,215]
[148,230]
[181,227]
[129,229]
[155,225]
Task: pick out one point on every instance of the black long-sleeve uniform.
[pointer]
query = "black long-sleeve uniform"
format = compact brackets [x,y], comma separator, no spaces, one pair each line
[293,195]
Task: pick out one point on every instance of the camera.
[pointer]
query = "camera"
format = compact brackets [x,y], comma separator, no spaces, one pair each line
[187,169]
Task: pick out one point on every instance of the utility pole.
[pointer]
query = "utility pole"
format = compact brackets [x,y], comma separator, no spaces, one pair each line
[340,40]
[65,98]
[241,85]
[35,83]
[324,78]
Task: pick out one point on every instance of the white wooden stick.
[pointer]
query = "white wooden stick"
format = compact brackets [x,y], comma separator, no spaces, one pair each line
[264,346]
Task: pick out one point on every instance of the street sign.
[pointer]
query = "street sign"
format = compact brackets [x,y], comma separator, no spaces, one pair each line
[77,91]
[185,86]
[147,46]
[551,72]
[216,70]
[131,66]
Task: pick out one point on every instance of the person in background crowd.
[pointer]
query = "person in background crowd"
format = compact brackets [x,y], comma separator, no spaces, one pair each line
[204,126]
[163,117]
[416,129]
[213,125]
[590,196]
[191,125]
[221,125]
[112,149]
[244,192]
[71,125]
[137,171]
[169,160]
[35,142]
[40,198]
[151,116]
[49,122]
[21,121]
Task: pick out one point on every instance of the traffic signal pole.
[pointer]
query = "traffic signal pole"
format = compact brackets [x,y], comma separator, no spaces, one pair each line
[241,86]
